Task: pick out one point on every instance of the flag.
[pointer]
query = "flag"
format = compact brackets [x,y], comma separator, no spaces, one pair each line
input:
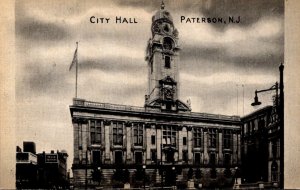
[74,61]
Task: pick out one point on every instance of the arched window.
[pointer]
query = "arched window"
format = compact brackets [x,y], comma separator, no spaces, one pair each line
[167,62]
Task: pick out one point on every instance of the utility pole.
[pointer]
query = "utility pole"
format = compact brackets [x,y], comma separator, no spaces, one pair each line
[237,99]
[243,100]
[281,123]
[161,166]
[86,164]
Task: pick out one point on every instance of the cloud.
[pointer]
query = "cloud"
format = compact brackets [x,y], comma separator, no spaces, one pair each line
[250,11]
[113,64]
[40,31]
[236,48]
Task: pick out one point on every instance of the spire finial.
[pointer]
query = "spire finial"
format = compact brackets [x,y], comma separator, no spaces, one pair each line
[162,6]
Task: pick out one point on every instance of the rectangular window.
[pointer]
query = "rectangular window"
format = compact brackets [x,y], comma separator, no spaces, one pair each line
[96,157]
[197,137]
[138,157]
[138,134]
[253,126]
[118,157]
[118,134]
[248,128]
[153,139]
[185,156]
[197,158]
[227,139]
[212,159]
[151,66]
[95,129]
[153,156]
[227,159]
[169,135]
[92,128]
[212,138]
[167,62]
[184,140]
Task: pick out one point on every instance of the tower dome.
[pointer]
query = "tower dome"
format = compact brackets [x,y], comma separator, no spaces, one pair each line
[162,14]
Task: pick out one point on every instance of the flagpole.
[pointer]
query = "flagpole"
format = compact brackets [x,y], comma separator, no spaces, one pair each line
[76,71]
[243,99]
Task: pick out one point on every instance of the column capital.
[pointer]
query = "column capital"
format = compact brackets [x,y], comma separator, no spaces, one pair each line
[128,124]
[148,125]
[189,128]
[106,122]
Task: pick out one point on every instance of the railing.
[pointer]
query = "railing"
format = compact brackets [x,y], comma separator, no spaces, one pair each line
[84,103]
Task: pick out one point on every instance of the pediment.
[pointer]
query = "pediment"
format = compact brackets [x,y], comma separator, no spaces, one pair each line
[182,106]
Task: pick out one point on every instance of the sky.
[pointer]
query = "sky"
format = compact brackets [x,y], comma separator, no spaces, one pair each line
[221,65]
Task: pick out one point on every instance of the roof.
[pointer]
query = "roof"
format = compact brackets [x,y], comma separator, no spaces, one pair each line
[258,112]
[88,106]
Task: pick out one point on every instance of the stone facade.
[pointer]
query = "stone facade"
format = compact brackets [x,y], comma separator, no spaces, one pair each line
[255,145]
[261,147]
[163,141]
[130,137]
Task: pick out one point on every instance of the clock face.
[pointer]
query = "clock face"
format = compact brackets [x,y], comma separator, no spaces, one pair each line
[168,93]
[168,43]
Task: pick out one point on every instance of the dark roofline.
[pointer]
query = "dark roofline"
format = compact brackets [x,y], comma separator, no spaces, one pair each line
[94,107]
[256,112]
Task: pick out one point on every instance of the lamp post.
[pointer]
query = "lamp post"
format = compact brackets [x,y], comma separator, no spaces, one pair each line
[161,166]
[280,108]
[144,169]
[173,176]
[236,176]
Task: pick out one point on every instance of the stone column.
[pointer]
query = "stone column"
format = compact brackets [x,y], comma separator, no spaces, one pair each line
[107,141]
[159,142]
[205,160]
[102,142]
[147,138]
[180,144]
[85,142]
[128,142]
[144,153]
[80,141]
[76,142]
[239,148]
[190,144]
[221,160]
[234,148]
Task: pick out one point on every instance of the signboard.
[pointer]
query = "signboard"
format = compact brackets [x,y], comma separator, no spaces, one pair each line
[51,158]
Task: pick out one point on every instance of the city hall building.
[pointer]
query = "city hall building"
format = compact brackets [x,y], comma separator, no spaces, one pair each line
[161,138]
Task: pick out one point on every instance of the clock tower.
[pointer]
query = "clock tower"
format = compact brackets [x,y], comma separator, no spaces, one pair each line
[162,56]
